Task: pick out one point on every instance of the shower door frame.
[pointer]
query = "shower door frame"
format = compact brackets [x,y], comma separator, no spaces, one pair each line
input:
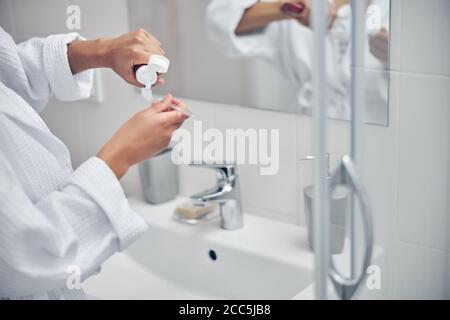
[324,268]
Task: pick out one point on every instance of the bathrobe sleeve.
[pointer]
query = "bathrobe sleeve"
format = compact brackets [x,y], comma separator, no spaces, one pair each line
[39,68]
[75,228]
[222,19]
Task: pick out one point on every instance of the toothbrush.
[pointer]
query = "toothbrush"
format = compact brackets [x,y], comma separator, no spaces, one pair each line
[187,113]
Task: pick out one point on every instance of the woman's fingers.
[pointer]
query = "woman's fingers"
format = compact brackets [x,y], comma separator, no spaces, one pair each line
[175,118]
[379,42]
[179,104]
[379,47]
[159,81]
[163,105]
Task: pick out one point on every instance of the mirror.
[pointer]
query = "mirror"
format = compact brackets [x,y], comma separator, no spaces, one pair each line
[218,54]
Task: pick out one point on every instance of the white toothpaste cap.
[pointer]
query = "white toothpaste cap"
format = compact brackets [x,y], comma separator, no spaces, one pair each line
[148,74]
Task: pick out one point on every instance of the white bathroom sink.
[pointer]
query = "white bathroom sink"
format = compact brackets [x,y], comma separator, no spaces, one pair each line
[264,260]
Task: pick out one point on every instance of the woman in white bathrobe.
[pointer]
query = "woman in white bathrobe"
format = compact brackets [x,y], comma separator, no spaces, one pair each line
[55,220]
[262,28]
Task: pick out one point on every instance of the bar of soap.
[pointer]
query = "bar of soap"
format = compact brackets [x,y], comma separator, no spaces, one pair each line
[190,211]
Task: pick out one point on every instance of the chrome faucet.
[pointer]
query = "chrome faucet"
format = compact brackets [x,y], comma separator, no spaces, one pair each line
[227,193]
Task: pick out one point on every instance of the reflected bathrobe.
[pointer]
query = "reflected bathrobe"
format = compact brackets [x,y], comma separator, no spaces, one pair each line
[55,222]
[288,46]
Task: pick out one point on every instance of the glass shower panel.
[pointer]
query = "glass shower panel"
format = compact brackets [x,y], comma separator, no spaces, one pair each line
[403,168]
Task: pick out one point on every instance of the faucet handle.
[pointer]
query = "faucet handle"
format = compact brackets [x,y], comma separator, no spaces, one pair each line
[226,192]
[225,171]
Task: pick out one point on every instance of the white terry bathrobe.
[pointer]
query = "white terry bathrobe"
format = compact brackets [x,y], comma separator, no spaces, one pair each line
[288,46]
[54,221]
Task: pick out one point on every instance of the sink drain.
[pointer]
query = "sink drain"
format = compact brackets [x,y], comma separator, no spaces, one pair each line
[212,255]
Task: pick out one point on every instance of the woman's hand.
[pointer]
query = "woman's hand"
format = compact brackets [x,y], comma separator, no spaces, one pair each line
[119,54]
[143,136]
[131,49]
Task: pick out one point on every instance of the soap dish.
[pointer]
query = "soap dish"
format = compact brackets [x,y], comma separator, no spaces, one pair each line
[191,214]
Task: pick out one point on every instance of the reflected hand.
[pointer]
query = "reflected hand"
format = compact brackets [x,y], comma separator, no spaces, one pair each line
[379,45]
[143,136]
[263,13]
[305,16]
[335,6]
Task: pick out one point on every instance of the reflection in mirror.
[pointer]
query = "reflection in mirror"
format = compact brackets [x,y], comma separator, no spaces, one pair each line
[259,53]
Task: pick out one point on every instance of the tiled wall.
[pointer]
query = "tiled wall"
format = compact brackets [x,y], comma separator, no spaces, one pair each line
[405,166]
[421,89]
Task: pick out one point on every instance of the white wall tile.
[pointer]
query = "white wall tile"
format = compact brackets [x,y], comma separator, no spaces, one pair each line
[424,160]
[271,214]
[65,121]
[395,47]
[419,272]
[425,35]
[377,166]
[387,281]
[378,158]
[194,180]
[41,18]
[103,18]
[7,16]
[277,192]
